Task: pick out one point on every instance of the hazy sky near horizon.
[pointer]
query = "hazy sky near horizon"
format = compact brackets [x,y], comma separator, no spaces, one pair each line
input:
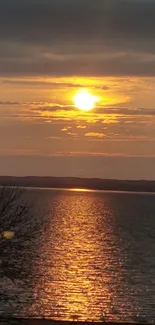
[50,49]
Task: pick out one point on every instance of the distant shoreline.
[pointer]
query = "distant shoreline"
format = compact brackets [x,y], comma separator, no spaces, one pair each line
[80,184]
[79,190]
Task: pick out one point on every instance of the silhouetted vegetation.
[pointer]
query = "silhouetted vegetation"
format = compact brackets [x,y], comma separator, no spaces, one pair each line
[19,228]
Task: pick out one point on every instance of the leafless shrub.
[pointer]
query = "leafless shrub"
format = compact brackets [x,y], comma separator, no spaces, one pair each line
[19,227]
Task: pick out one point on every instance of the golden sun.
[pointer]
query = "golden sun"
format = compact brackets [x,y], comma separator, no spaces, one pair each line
[84,100]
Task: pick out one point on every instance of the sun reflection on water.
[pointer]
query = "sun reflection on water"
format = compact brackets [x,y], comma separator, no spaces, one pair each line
[80,190]
[78,271]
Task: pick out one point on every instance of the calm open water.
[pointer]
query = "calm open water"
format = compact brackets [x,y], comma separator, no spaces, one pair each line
[94,260]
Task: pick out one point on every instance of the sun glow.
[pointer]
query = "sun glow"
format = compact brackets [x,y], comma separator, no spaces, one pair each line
[80,190]
[84,100]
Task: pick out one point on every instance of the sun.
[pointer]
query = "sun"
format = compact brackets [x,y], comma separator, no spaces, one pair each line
[84,100]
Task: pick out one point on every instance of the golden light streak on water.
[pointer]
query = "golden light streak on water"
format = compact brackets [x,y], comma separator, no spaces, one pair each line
[80,272]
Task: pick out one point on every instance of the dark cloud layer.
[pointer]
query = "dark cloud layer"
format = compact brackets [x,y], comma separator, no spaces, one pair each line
[86,37]
[48,20]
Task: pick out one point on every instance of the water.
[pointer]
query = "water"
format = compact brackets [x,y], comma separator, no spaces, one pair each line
[94,260]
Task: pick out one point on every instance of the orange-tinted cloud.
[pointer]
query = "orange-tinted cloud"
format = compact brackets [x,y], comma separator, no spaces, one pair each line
[94,135]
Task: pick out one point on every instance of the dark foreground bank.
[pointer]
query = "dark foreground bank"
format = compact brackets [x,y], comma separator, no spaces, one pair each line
[52,322]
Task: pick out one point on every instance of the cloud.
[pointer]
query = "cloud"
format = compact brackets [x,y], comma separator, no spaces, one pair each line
[100,110]
[49,108]
[64,129]
[125,65]
[125,111]
[35,21]
[53,138]
[81,127]
[53,84]
[88,38]
[9,103]
[73,134]
[66,154]
[95,135]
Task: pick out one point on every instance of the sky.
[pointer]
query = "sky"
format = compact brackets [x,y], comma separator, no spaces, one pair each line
[50,50]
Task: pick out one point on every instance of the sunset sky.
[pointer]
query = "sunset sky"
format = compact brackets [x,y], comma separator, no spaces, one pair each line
[52,49]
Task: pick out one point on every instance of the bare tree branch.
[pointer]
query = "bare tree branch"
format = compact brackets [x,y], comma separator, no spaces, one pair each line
[18,217]
[21,225]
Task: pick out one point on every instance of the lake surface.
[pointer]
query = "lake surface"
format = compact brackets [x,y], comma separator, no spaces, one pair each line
[94,259]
